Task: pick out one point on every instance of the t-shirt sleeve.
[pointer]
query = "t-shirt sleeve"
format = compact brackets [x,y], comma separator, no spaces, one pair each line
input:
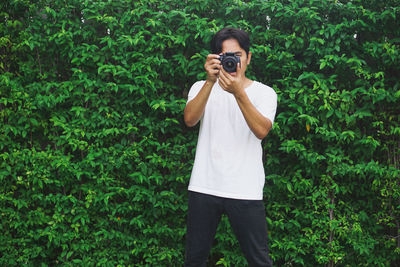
[266,103]
[194,90]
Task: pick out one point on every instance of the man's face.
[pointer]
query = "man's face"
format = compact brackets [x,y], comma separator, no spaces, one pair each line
[232,45]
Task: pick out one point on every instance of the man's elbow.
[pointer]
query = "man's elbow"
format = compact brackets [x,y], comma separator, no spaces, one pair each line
[190,117]
[262,134]
[263,131]
[189,121]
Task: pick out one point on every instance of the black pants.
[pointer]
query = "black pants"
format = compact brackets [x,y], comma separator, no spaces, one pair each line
[247,219]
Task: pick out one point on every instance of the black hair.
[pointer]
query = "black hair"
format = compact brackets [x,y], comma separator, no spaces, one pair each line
[230,33]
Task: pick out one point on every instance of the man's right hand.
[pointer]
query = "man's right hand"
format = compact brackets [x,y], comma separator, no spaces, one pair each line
[212,67]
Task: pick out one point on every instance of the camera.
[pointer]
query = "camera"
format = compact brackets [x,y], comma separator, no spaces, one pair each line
[229,61]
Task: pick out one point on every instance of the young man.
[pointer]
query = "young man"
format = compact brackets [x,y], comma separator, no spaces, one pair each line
[236,113]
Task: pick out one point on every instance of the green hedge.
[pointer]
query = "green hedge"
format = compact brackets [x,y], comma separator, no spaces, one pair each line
[95,157]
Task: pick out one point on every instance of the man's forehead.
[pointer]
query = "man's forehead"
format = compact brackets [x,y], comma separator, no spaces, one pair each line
[232,45]
[235,52]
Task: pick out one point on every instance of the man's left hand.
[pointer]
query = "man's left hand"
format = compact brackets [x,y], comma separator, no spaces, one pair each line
[232,84]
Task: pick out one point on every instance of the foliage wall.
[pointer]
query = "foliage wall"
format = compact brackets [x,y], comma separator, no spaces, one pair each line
[95,158]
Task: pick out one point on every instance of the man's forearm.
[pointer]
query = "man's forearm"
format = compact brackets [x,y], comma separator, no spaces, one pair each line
[195,108]
[257,123]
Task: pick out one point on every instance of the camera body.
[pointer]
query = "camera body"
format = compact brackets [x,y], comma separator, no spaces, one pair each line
[229,61]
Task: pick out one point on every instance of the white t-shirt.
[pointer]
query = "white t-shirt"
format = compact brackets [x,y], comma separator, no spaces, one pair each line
[228,160]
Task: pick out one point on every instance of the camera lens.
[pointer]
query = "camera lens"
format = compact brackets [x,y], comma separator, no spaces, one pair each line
[229,64]
[229,61]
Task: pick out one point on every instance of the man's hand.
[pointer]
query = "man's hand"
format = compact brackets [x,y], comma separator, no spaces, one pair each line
[212,67]
[233,84]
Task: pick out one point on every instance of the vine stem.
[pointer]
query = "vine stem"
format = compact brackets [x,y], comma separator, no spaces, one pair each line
[38,58]
[331,218]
